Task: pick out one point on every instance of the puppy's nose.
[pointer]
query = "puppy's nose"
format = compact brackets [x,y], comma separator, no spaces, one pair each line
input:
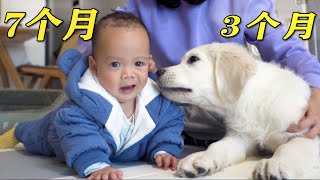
[160,72]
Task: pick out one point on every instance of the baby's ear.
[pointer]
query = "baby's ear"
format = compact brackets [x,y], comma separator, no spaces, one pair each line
[93,66]
[152,65]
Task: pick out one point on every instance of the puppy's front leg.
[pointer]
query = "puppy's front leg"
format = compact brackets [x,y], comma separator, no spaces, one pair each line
[229,150]
[292,160]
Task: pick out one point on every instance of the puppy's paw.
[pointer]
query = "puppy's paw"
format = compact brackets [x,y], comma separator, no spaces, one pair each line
[199,164]
[185,167]
[274,169]
[207,164]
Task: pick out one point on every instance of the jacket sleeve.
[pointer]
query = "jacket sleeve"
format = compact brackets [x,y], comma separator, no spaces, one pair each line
[290,53]
[168,137]
[80,140]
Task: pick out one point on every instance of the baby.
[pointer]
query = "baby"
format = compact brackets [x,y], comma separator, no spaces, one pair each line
[115,112]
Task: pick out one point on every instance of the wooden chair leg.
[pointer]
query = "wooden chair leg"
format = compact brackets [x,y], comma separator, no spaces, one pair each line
[10,67]
[50,83]
[63,82]
[44,82]
[32,82]
[4,76]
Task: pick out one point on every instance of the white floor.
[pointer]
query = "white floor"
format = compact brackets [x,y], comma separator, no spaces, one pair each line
[18,164]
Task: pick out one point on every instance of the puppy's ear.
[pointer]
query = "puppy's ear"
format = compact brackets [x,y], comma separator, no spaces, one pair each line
[232,68]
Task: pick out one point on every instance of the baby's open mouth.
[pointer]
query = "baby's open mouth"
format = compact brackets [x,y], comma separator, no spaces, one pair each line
[127,89]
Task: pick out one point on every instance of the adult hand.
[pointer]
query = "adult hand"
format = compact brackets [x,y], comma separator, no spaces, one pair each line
[106,173]
[166,161]
[311,118]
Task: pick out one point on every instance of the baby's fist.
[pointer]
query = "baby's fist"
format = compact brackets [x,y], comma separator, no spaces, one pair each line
[106,173]
[166,161]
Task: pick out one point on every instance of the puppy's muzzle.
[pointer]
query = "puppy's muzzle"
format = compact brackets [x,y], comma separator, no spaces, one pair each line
[160,72]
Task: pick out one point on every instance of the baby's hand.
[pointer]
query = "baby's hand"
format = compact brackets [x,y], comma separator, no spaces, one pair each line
[166,161]
[106,173]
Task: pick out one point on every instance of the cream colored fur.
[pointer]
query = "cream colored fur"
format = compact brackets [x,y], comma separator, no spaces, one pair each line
[258,101]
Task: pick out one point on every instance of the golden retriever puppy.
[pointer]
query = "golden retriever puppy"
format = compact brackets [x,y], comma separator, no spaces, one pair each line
[258,102]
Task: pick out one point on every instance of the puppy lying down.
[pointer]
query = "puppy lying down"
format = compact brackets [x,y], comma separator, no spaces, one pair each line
[258,101]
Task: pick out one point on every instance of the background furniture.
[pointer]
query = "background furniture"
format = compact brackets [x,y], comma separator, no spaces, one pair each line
[49,73]
[18,105]
[63,10]
[7,67]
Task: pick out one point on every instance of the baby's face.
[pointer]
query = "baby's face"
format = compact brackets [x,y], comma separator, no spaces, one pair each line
[122,58]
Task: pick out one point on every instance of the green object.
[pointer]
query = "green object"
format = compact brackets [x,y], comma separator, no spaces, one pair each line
[23,105]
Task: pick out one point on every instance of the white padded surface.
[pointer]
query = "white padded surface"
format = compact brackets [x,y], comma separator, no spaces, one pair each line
[18,164]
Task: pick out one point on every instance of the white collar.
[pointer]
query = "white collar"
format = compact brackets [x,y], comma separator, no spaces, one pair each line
[143,122]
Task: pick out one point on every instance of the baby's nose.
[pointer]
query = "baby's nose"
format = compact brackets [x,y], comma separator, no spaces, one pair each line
[127,73]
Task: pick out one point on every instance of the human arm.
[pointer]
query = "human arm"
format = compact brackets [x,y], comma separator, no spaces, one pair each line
[312,117]
[80,140]
[290,54]
[168,136]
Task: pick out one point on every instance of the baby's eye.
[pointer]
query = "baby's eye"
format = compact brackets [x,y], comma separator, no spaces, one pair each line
[115,64]
[139,63]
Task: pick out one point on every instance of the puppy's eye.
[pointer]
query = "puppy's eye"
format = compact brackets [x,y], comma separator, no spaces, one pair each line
[193,59]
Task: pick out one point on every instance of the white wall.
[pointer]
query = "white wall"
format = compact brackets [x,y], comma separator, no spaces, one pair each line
[284,10]
[103,6]
[31,51]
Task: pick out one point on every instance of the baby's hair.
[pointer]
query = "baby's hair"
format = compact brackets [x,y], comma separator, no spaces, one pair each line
[116,19]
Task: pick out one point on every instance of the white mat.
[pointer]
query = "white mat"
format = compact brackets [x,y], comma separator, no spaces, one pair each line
[18,164]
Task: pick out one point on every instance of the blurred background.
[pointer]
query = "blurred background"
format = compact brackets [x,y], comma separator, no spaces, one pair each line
[29,51]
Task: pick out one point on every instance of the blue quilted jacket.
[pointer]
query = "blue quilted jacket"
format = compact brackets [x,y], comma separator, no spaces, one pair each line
[77,132]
